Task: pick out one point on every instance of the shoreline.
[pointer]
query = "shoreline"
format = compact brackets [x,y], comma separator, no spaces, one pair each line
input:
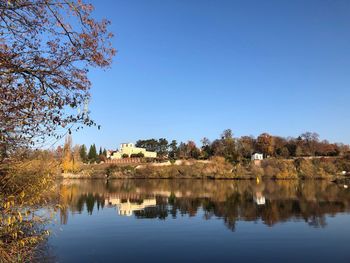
[215,169]
[208,178]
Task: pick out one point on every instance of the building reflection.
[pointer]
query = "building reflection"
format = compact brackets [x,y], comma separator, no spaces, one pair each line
[126,207]
[259,198]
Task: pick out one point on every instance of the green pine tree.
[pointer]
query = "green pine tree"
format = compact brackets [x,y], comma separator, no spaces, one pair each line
[92,156]
[83,153]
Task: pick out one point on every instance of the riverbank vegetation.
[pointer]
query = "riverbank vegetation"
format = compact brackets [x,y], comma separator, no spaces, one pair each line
[219,168]
[230,158]
[27,185]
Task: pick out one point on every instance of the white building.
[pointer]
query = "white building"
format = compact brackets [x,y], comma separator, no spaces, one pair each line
[127,149]
[257,156]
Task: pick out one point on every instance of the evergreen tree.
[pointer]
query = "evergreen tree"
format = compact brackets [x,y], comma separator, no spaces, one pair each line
[173,149]
[162,149]
[83,153]
[100,152]
[104,152]
[92,153]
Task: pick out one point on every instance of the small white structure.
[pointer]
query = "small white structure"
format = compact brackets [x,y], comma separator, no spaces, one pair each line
[257,156]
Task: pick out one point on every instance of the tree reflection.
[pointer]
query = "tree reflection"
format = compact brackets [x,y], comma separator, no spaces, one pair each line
[270,202]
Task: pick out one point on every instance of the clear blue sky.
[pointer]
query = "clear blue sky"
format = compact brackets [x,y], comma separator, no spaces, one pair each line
[188,69]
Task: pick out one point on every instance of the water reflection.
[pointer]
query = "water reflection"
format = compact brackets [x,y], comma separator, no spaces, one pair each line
[232,201]
[126,206]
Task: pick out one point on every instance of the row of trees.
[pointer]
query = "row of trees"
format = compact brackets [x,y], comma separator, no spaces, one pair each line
[231,148]
[237,149]
[92,156]
[72,157]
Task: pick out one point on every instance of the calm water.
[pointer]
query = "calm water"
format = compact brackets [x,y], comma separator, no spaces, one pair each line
[202,221]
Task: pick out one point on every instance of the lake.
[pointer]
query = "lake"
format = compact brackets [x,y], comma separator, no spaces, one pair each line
[201,221]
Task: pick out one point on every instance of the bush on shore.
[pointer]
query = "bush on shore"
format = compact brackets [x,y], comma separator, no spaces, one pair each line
[24,186]
[315,168]
[279,169]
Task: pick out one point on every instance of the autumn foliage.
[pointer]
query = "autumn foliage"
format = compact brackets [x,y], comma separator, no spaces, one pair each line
[46,49]
[71,161]
[27,185]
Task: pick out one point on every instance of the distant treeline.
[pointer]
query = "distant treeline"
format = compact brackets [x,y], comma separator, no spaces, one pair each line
[237,149]
[233,149]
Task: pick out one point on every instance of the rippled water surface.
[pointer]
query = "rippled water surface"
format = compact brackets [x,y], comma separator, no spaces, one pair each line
[201,221]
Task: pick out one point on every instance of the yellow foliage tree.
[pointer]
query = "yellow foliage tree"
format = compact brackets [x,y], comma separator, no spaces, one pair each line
[71,160]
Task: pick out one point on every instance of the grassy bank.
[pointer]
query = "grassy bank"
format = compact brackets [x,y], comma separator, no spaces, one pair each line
[218,168]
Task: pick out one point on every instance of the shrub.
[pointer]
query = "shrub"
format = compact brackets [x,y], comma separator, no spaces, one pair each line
[218,167]
[305,168]
[279,169]
[137,155]
[24,185]
[111,169]
[240,171]
[315,168]
[343,164]
[329,168]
